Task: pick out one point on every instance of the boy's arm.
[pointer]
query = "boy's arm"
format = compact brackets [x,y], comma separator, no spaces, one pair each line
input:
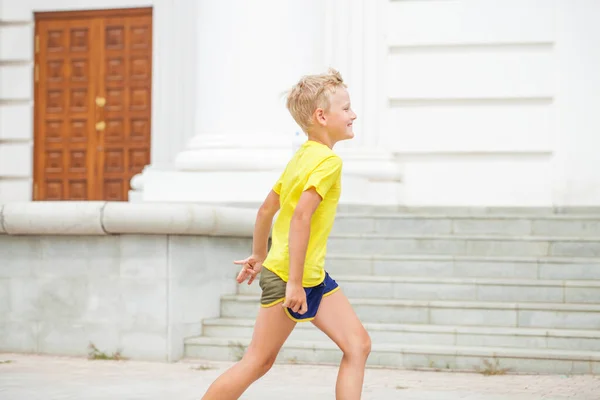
[321,179]
[298,243]
[252,265]
[262,227]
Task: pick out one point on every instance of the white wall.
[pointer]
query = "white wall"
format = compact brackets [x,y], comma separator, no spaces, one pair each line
[470,88]
[16,108]
[576,163]
[492,103]
[142,294]
[116,274]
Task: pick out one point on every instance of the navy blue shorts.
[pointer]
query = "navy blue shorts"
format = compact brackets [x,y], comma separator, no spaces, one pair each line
[273,292]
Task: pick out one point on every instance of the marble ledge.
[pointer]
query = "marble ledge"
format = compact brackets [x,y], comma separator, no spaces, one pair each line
[108,218]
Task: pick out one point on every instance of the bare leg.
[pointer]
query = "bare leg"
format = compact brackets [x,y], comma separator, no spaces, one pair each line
[271,330]
[337,319]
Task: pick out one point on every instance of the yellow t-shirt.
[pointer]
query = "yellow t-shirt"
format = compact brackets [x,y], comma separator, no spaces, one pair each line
[313,165]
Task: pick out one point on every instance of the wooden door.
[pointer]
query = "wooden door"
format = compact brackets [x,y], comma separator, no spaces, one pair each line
[92,103]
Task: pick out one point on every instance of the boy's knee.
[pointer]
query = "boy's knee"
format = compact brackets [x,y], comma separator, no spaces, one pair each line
[261,364]
[359,347]
[267,363]
[366,345]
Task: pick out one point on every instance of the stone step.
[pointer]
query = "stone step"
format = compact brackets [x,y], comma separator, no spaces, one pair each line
[404,224]
[411,356]
[370,244]
[562,268]
[560,339]
[467,289]
[462,313]
[575,211]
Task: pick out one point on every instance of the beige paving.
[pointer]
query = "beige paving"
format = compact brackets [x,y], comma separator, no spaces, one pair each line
[28,377]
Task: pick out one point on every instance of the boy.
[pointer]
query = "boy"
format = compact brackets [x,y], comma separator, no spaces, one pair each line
[295,286]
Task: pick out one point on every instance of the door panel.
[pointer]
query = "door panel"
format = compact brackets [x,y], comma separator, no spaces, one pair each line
[65,111]
[126,67]
[92,103]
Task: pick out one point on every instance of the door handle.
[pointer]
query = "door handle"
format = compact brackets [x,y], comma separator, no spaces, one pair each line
[100,126]
[100,101]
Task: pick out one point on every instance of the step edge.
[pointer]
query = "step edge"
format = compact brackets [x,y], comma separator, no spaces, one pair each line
[482,217]
[468,237]
[518,306]
[555,283]
[504,352]
[442,329]
[464,258]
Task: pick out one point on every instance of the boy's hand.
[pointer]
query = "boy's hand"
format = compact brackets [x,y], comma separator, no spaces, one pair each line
[251,266]
[295,298]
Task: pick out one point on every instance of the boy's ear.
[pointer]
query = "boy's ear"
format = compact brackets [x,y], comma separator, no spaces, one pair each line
[320,116]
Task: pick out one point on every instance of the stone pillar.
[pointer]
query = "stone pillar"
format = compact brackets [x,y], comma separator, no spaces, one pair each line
[173,97]
[248,54]
[175,30]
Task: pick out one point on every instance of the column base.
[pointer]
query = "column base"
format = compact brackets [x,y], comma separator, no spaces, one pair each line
[217,172]
[208,187]
[371,177]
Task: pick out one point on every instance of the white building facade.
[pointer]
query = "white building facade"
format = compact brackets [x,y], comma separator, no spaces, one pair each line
[460,102]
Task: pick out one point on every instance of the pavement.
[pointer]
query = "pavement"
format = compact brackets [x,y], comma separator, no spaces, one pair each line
[31,377]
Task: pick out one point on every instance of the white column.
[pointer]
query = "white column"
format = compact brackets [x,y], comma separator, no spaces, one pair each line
[173,84]
[174,64]
[248,55]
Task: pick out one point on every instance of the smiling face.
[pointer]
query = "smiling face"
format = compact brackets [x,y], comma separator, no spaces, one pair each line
[339,117]
[320,105]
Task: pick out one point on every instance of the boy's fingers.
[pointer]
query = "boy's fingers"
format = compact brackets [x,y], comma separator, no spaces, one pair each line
[296,307]
[253,274]
[242,276]
[304,307]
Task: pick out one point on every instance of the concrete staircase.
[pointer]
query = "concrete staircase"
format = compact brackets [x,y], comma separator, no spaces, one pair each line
[518,291]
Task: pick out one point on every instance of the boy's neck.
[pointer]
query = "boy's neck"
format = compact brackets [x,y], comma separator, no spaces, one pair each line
[323,139]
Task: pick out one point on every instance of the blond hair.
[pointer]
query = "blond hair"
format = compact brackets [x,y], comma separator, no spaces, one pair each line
[310,93]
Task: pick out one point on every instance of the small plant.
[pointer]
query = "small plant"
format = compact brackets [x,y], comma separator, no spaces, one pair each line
[95,354]
[203,367]
[238,350]
[398,387]
[492,368]
[6,361]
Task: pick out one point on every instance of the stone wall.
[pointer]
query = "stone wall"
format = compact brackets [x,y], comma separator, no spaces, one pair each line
[134,277]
